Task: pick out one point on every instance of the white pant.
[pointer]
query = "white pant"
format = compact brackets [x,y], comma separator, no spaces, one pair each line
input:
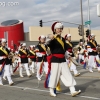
[32,67]
[61,70]
[25,65]
[7,73]
[45,68]
[91,62]
[11,69]
[72,67]
[97,58]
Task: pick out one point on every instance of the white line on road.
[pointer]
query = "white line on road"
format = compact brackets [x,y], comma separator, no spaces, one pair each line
[27,88]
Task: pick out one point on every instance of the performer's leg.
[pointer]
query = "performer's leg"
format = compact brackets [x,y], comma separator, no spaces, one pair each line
[73,68]
[8,74]
[21,70]
[91,63]
[68,80]
[38,71]
[98,60]
[27,69]
[4,75]
[46,67]
[54,77]
[11,70]
[32,67]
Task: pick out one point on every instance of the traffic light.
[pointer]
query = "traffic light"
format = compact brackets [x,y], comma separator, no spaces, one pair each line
[41,23]
[80,30]
[87,32]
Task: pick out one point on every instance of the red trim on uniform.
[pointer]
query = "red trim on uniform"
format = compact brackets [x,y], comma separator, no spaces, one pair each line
[59,55]
[94,48]
[23,56]
[31,56]
[69,50]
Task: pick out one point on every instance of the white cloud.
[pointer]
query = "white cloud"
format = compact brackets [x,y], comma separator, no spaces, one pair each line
[31,11]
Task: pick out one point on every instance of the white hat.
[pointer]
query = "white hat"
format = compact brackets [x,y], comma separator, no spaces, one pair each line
[24,44]
[9,48]
[58,25]
[31,46]
[3,40]
[42,37]
[92,35]
[34,46]
[16,52]
[67,35]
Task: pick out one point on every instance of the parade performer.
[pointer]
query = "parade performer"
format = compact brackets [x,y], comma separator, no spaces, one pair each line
[32,58]
[23,54]
[59,67]
[5,62]
[92,52]
[41,53]
[69,51]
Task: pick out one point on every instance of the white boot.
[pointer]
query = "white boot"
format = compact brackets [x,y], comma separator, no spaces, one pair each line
[52,92]
[73,92]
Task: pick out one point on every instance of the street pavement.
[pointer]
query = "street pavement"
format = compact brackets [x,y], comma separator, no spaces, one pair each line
[31,89]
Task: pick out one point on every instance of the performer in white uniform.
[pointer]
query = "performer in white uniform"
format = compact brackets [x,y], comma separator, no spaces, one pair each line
[69,52]
[5,62]
[59,67]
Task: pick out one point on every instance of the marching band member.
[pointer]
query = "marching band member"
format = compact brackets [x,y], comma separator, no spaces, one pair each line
[92,52]
[41,54]
[59,67]
[69,51]
[32,58]
[5,62]
[23,54]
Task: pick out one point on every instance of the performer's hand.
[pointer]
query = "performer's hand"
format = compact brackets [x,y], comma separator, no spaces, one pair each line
[51,36]
[4,57]
[95,50]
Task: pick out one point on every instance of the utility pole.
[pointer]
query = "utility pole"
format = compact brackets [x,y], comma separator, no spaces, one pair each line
[89,18]
[82,20]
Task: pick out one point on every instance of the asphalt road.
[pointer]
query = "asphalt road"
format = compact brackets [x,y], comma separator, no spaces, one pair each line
[30,89]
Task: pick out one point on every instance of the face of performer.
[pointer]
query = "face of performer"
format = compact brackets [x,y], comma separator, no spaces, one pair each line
[81,43]
[42,40]
[58,31]
[24,47]
[69,38]
[3,44]
[31,48]
[93,38]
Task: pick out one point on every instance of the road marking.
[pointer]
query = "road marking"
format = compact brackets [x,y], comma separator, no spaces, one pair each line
[27,88]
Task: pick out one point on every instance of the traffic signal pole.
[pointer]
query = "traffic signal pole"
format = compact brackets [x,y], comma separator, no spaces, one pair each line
[89,18]
[82,20]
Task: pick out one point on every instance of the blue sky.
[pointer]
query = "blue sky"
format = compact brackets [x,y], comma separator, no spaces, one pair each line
[31,11]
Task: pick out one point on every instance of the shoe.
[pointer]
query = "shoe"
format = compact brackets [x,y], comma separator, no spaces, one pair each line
[77,74]
[90,71]
[52,94]
[75,93]
[1,84]
[21,76]
[39,79]
[29,75]
[11,84]
[4,78]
